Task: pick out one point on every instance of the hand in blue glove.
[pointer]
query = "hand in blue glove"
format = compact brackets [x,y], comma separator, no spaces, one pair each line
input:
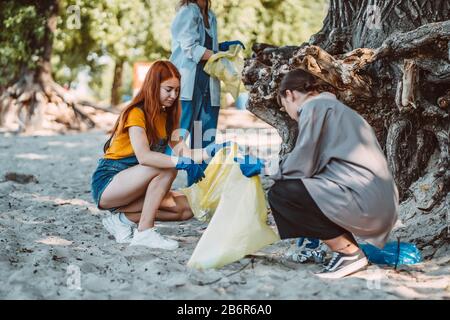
[225,46]
[250,166]
[195,171]
[213,148]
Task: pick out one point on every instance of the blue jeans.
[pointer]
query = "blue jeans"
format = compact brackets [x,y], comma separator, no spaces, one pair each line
[205,115]
[198,116]
[200,110]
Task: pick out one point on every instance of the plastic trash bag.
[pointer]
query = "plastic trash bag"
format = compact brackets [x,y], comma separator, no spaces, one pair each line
[227,66]
[311,244]
[236,209]
[393,254]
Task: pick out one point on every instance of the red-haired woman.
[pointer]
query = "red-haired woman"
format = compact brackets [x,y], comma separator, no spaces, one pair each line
[134,176]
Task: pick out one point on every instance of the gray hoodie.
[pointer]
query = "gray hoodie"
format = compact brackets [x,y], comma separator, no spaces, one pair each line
[338,158]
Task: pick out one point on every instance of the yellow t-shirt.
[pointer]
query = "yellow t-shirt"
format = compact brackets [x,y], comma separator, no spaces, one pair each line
[120,146]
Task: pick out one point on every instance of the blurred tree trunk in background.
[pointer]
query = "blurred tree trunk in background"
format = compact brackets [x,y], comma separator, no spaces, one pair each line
[388,60]
[117,83]
[34,101]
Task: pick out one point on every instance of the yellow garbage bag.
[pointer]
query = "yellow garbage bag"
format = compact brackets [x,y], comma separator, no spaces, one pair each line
[236,209]
[227,66]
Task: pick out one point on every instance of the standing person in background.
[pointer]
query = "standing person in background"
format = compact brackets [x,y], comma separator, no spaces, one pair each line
[194,41]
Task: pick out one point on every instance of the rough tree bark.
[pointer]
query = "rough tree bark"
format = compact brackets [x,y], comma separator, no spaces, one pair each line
[388,60]
[35,101]
[117,83]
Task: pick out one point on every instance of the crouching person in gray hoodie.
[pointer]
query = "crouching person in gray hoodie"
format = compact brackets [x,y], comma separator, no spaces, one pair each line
[335,184]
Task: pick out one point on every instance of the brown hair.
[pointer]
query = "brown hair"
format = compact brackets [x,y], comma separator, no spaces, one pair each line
[208,6]
[302,81]
[148,98]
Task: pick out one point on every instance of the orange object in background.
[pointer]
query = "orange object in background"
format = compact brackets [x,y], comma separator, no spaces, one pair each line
[140,69]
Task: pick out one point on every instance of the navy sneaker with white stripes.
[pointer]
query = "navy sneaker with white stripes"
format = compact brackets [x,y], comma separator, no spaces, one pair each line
[342,265]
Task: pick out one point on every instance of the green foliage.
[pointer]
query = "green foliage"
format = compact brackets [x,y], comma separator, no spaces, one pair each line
[121,30]
[74,47]
[288,22]
[22,32]
[136,30]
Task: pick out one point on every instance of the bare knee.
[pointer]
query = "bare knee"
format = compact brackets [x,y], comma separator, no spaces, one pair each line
[167,174]
[186,215]
[159,174]
[105,203]
[172,173]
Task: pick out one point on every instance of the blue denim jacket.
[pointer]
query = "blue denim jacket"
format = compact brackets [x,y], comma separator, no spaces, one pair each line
[188,39]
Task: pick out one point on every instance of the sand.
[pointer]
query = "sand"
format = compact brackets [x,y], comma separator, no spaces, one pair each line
[53,245]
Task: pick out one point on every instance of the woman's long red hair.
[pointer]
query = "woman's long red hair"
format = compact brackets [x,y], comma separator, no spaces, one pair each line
[148,96]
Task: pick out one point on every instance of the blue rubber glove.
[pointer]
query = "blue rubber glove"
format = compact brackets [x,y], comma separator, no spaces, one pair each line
[213,148]
[194,171]
[225,46]
[191,178]
[250,166]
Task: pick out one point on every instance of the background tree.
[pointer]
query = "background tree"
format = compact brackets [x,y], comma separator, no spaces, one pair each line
[155,18]
[268,21]
[31,99]
[389,60]
[74,46]
[61,39]
[123,31]
[120,30]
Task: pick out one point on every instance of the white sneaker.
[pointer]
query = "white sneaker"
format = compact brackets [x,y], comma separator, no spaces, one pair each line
[152,239]
[122,232]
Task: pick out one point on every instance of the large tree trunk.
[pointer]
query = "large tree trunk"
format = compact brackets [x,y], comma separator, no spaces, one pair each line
[389,62]
[35,101]
[117,83]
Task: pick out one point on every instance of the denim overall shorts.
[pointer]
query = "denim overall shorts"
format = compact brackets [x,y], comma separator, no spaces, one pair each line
[108,168]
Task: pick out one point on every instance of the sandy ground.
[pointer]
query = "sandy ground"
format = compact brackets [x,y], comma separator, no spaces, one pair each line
[53,245]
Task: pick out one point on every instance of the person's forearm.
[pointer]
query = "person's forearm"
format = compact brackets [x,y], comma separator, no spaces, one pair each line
[157,160]
[207,55]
